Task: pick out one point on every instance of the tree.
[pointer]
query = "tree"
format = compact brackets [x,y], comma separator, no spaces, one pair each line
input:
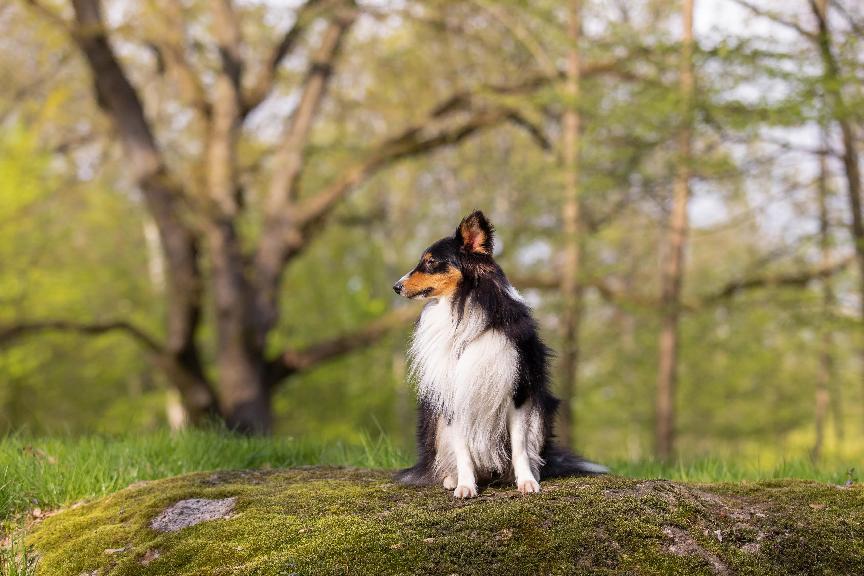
[571,284]
[202,209]
[673,260]
[833,86]
[825,381]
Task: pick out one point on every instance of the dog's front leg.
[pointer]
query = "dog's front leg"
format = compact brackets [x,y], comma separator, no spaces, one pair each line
[466,482]
[517,422]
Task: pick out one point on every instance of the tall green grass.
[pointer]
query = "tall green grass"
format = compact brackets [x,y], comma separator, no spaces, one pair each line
[725,470]
[15,558]
[48,473]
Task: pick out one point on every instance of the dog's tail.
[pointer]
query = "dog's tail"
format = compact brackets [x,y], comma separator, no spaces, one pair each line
[417,475]
[560,462]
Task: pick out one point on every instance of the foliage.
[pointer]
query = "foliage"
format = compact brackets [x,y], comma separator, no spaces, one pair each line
[58,259]
[74,240]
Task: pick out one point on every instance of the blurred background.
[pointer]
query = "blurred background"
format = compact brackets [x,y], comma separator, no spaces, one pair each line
[203,207]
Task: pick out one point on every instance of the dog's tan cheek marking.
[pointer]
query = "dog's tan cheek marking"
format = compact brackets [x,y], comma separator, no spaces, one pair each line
[417,282]
[447,282]
[443,284]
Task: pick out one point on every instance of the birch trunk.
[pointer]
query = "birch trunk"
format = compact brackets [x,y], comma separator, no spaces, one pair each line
[571,286]
[673,260]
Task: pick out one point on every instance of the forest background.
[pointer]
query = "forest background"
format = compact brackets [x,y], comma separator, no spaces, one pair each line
[203,207]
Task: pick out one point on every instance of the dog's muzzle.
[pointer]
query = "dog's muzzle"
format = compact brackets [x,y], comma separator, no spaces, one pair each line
[399,286]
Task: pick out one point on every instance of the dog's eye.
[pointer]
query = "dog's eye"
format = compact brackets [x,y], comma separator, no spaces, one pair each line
[437,265]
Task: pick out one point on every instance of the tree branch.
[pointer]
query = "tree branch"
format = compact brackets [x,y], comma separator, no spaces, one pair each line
[836,104]
[262,85]
[796,279]
[291,233]
[197,393]
[224,127]
[534,130]
[293,361]
[464,99]
[413,141]
[289,162]
[29,92]
[426,136]
[114,92]
[290,155]
[603,287]
[536,281]
[49,15]
[226,29]
[171,46]
[8,334]
[521,33]
[613,295]
[777,19]
[289,227]
[856,25]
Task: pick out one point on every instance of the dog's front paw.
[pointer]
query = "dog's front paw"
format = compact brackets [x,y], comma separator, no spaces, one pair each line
[528,486]
[449,483]
[465,492]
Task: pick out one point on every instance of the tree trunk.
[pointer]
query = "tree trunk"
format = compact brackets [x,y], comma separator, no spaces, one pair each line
[851,163]
[571,285]
[244,392]
[246,400]
[240,362]
[118,97]
[673,260]
[824,382]
[852,170]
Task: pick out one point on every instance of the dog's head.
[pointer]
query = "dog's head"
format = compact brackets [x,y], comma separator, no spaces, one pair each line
[445,264]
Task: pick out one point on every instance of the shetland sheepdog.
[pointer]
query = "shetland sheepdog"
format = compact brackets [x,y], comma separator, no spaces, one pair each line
[481,370]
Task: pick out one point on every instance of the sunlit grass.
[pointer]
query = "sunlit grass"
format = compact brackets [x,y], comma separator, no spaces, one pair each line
[724,470]
[15,558]
[51,472]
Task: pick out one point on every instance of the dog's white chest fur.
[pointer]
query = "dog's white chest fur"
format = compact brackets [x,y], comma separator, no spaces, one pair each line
[467,373]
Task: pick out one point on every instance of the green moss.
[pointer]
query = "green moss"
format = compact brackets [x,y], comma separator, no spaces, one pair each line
[349,521]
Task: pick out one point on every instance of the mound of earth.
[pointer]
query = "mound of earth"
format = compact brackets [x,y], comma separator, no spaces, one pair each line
[348,521]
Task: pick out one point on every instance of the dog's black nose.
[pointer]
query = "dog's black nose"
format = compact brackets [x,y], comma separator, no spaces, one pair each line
[397,287]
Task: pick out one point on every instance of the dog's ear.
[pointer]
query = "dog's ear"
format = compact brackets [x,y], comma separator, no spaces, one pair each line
[476,233]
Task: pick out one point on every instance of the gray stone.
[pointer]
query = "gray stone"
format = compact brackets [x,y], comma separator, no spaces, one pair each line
[187,513]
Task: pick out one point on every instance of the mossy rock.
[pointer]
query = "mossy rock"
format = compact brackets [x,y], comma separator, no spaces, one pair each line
[349,521]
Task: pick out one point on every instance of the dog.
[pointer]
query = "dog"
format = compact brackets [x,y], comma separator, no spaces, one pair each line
[485,411]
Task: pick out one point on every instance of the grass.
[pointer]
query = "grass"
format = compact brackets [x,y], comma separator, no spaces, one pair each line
[48,473]
[15,558]
[723,470]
